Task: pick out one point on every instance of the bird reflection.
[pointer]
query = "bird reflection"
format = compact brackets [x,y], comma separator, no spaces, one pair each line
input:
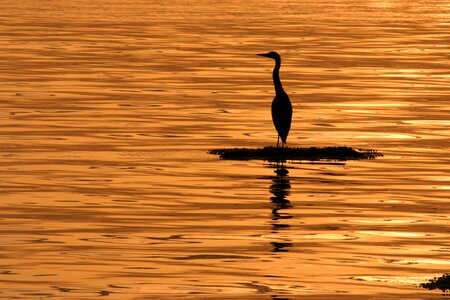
[280,189]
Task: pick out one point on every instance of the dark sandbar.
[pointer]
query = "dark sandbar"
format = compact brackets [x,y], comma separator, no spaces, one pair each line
[311,153]
[442,283]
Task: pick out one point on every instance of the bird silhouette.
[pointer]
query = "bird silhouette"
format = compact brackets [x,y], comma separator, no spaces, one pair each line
[281,105]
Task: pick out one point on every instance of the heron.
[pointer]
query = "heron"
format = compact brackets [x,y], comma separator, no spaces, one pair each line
[281,105]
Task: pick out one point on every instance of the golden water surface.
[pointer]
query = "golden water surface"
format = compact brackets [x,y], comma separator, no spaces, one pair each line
[107,110]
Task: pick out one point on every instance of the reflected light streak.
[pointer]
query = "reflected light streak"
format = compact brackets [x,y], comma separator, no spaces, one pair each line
[393,279]
[419,261]
[393,233]
[387,136]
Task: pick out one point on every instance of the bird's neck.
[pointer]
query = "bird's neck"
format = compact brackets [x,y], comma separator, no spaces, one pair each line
[276,77]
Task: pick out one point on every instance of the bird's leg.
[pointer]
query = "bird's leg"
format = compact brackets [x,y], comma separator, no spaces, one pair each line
[278,141]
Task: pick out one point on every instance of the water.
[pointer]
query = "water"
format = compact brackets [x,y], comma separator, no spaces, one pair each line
[108,109]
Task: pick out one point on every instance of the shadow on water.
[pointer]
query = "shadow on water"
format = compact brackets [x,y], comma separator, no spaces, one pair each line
[280,189]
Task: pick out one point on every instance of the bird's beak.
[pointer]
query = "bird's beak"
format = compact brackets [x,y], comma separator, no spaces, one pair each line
[262,54]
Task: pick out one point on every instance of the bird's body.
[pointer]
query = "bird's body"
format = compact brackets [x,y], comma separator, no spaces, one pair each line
[281,105]
[281,115]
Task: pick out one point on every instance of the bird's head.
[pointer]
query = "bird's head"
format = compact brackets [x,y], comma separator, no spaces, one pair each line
[271,54]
